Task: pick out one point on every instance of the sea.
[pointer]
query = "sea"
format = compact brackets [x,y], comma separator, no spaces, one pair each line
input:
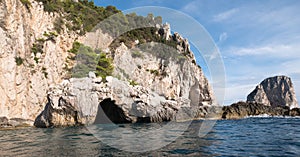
[251,136]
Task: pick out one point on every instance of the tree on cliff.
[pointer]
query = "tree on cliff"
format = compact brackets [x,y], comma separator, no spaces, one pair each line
[104,66]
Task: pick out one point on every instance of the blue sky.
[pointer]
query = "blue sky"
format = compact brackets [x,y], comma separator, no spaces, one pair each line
[257,39]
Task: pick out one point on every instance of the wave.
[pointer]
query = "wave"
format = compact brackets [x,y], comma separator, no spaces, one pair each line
[270,116]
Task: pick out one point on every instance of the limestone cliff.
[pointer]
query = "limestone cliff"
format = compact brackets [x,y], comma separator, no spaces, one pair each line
[152,83]
[80,101]
[35,57]
[274,91]
[32,56]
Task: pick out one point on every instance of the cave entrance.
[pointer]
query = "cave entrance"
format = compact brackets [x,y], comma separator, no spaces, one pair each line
[109,112]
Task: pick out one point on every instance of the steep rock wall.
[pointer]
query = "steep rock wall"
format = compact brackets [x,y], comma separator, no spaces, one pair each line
[23,85]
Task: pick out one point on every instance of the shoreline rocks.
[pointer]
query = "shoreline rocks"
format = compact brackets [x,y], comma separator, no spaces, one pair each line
[274,96]
[244,109]
[84,101]
[14,122]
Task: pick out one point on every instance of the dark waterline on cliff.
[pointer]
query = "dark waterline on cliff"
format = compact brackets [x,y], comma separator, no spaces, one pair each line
[245,137]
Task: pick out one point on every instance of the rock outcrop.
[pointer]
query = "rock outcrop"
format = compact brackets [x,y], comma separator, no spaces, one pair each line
[35,59]
[274,91]
[244,109]
[32,57]
[89,100]
[274,96]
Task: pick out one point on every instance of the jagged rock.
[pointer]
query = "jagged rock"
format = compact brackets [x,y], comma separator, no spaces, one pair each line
[114,101]
[274,91]
[3,121]
[244,109]
[14,122]
[59,113]
[165,31]
[295,112]
[92,75]
[23,86]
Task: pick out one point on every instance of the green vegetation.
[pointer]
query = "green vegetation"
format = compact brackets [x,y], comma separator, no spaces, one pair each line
[133,83]
[104,67]
[88,60]
[36,59]
[153,71]
[136,54]
[37,47]
[81,16]
[19,61]
[26,3]
[50,36]
[44,72]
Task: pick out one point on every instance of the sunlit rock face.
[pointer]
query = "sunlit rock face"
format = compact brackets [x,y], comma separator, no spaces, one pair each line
[91,101]
[275,91]
[25,74]
[34,60]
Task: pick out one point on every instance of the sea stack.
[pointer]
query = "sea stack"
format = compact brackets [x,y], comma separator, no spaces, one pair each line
[274,91]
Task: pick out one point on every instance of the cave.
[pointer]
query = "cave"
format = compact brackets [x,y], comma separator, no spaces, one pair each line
[109,112]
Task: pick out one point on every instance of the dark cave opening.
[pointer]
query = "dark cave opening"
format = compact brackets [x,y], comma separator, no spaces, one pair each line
[109,112]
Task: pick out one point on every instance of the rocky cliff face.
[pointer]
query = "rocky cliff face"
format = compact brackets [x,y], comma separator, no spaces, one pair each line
[89,100]
[153,83]
[274,91]
[274,96]
[32,57]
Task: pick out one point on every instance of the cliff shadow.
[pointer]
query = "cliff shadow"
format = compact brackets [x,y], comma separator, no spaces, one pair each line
[109,112]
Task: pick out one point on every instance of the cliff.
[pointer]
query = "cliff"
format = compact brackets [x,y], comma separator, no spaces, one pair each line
[152,83]
[274,96]
[32,56]
[37,43]
[81,101]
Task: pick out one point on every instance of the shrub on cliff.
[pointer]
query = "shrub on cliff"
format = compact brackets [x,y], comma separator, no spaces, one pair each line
[88,60]
[104,66]
[81,16]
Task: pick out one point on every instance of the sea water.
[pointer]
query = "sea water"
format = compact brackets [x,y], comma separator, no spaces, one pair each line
[252,136]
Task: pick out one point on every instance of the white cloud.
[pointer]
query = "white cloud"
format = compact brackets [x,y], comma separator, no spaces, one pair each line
[225,15]
[191,7]
[223,37]
[274,50]
[236,92]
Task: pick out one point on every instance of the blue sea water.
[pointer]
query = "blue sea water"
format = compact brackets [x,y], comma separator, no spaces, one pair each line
[254,136]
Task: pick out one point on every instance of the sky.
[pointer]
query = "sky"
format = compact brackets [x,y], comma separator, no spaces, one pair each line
[256,39]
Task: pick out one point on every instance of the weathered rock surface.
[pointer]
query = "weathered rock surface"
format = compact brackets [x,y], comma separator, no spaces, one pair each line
[23,86]
[274,96]
[244,109]
[87,101]
[274,91]
[14,122]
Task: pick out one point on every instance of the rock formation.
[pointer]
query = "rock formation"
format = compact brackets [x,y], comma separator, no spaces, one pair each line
[32,57]
[90,100]
[274,96]
[243,109]
[274,91]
